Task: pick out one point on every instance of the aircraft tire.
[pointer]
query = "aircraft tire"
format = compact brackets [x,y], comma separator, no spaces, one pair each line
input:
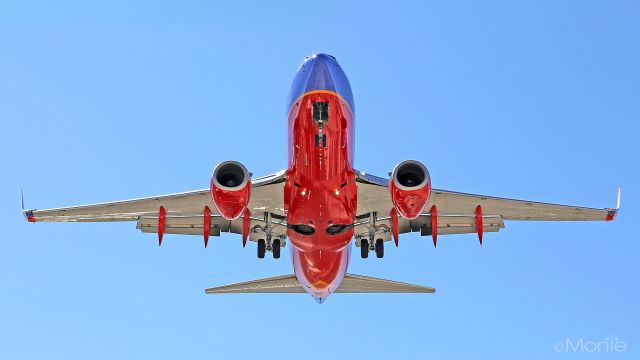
[379,248]
[364,249]
[276,249]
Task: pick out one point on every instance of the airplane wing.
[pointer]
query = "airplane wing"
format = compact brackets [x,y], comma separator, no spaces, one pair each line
[184,212]
[457,213]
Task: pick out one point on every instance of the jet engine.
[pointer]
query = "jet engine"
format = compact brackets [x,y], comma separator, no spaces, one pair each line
[230,189]
[410,187]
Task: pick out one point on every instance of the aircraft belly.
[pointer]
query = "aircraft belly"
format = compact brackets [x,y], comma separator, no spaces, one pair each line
[320,190]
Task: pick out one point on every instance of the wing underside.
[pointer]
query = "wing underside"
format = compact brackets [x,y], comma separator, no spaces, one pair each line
[457,212]
[184,211]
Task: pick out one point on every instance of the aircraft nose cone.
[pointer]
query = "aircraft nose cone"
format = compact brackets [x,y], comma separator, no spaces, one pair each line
[321,56]
[320,72]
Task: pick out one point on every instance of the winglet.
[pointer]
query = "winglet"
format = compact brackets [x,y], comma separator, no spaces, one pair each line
[28,214]
[611,213]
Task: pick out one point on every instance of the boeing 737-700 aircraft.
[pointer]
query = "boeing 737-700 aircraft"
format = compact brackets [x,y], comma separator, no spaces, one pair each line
[320,202]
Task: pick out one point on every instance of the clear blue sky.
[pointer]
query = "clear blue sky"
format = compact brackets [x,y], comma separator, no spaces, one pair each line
[104,101]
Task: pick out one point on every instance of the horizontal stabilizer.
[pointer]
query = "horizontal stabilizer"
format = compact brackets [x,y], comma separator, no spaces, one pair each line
[288,284]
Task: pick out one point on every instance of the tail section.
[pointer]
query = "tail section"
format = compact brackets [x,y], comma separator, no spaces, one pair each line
[288,284]
[365,284]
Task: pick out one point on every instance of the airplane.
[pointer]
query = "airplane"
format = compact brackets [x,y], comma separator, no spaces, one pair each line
[320,202]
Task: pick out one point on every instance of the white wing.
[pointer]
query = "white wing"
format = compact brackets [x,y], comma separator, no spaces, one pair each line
[184,211]
[456,212]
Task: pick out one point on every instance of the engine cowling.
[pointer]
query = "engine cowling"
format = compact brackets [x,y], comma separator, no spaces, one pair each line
[410,187]
[230,189]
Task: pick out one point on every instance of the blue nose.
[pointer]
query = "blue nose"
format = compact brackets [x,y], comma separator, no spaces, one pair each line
[320,72]
[320,77]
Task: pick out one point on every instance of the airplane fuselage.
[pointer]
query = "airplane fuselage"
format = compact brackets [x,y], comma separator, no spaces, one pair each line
[320,191]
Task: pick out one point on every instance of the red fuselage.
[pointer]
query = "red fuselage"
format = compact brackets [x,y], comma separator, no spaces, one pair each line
[320,191]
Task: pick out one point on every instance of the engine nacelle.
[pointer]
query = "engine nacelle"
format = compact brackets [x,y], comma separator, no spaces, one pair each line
[230,189]
[410,187]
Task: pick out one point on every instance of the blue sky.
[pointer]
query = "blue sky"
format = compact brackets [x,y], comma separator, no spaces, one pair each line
[104,101]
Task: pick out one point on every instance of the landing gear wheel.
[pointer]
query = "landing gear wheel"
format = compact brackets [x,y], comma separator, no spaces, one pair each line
[262,248]
[364,249]
[379,248]
[276,249]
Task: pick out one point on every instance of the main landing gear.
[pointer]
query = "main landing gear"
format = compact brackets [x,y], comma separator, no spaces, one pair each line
[364,249]
[272,246]
[271,242]
[276,249]
[372,244]
[378,247]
